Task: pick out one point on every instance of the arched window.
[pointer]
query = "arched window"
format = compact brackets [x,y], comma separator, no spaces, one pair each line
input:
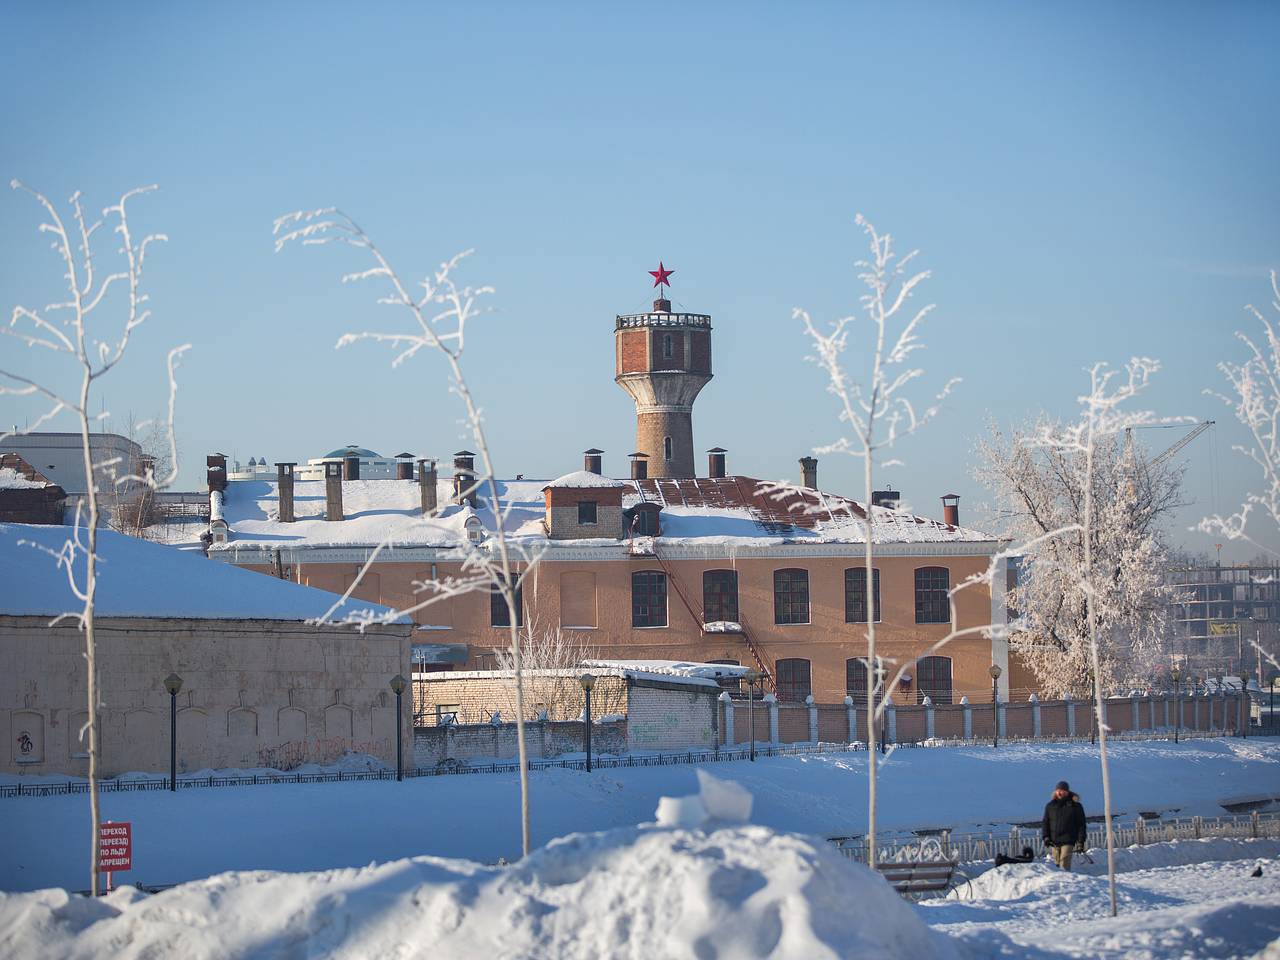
[855,594]
[932,587]
[649,598]
[666,448]
[855,680]
[933,679]
[720,596]
[793,679]
[791,596]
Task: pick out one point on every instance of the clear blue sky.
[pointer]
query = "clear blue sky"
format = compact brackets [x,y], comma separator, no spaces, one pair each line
[1087,182]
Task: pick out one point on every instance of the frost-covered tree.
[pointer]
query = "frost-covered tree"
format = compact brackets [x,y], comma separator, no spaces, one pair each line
[547,654]
[876,410]
[1039,487]
[78,329]
[439,312]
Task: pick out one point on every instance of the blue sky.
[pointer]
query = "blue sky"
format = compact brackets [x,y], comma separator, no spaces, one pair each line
[1086,181]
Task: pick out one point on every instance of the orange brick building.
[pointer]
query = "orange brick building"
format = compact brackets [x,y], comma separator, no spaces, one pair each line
[660,565]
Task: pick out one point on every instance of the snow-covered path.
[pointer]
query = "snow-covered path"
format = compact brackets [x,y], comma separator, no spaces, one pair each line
[199,832]
[1211,909]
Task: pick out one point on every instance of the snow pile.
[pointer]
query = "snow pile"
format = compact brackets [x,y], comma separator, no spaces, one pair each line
[670,668]
[722,626]
[11,479]
[584,480]
[717,801]
[739,892]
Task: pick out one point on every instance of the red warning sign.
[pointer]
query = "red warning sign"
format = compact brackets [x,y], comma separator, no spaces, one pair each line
[115,847]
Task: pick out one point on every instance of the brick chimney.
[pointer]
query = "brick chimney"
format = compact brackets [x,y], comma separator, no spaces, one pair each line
[284,486]
[592,461]
[332,490]
[427,486]
[951,509]
[809,472]
[715,462]
[351,467]
[464,477]
[404,466]
[639,466]
[217,471]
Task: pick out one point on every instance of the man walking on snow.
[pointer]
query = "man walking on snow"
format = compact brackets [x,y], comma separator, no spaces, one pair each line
[1064,825]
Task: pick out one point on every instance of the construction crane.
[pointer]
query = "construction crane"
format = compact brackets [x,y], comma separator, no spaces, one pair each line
[1161,458]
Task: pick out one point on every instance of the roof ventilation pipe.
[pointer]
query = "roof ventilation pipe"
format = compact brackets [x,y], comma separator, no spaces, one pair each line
[715,462]
[809,472]
[951,509]
[639,466]
[593,461]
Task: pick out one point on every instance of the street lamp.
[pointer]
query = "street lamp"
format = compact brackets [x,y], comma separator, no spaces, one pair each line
[752,676]
[995,672]
[1246,708]
[173,683]
[587,681]
[1176,676]
[398,683]
[880,672]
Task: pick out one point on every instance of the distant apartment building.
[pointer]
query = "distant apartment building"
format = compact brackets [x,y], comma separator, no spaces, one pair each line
[1221,613]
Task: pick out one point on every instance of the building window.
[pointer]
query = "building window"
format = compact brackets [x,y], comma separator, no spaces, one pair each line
[720,596]
[666,448]
[649,598]
[644,523]
[668,347]
[855,680]
[791,596]
[793,679]
[499,615]
[933,679]
[932,602]
[855,594]
[587,512]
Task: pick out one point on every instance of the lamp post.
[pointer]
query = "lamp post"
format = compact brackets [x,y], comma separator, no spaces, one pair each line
[173,683]
[1176,675]
[1246,708]
[880,672]
[751,676]
[398,683]
[995,672]
[587,681]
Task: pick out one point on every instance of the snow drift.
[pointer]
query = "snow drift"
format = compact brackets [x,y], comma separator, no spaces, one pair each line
[646,893]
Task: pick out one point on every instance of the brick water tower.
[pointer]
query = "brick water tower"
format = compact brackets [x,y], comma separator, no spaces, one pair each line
[663,361]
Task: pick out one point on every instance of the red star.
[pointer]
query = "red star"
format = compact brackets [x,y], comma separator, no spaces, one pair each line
[660,275]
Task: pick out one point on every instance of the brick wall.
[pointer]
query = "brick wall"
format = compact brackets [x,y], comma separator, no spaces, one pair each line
[699,351]
[669,716]
[632,356]
[562,513]
[479,698]
[676,360]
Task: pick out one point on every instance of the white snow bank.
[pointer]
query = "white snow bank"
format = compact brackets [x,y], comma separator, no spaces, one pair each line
[584,480]
[670,668]
[11,479]
[741,892]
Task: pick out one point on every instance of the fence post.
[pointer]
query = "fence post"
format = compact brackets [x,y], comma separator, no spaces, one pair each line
[1133,712]
[1197,824]
[1151,710]
[890,721]
[813,718]
[1195,711]
[1222,698]
[1071,714]
[771,702]
[1035,715]
[968,718]
[726,702]
[851,717]
[1142,831]
[929,718]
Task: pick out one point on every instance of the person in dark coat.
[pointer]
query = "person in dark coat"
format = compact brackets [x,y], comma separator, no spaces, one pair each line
[1064,825]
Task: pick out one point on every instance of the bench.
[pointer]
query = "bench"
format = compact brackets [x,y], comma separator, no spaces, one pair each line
[913,878]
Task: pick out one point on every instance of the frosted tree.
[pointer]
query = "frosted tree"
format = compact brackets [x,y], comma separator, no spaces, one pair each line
[439,311]
[552,659]
[79,331]
[1112,560]
[876,410]
[1039,487]
[1254,398]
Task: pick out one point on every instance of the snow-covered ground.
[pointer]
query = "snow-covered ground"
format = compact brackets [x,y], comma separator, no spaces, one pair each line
[198,832]
[1188,899]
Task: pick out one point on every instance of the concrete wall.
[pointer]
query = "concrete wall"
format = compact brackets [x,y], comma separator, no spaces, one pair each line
[255,693]
[671,717]
[485,741]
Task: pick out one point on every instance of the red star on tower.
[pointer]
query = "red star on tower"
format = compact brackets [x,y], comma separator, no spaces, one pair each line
[660,275]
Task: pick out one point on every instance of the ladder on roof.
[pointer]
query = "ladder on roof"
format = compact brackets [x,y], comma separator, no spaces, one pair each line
[766,675]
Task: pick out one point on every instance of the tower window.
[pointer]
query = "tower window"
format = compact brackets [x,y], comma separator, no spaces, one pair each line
[668,347]
[666,448]
[587,512]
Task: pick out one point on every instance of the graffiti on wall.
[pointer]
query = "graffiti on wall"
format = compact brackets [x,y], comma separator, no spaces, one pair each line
[294,753]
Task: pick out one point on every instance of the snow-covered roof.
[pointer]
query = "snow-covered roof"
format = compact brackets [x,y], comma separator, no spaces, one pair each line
[714,513]
[137,578]
[584,480]
[672,668]
[625,669]
[17,474]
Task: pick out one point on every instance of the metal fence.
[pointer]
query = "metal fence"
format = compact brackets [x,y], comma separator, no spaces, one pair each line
[969,847]
[447,768]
